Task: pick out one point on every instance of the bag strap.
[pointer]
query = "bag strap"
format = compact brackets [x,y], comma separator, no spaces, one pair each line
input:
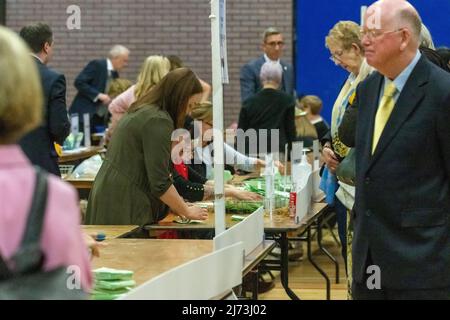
[5,273]
[29,255]
[35,221]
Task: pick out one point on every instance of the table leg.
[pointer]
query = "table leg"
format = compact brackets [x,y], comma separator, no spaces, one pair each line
[284,246]
[327,253]
[255,275]
[327,279]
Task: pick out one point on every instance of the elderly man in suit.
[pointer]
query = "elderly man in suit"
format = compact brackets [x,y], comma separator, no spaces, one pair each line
[38,145]
[272,47]
[93,83]
[401,244]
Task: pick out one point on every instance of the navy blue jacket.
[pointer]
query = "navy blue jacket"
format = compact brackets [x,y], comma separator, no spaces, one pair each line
[38,144]
[90,83]
[402,206]
[251,83]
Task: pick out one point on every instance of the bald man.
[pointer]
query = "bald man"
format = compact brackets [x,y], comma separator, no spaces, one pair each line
[401,244]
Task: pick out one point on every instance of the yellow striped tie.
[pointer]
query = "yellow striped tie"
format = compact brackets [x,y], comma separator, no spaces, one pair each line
[384,112]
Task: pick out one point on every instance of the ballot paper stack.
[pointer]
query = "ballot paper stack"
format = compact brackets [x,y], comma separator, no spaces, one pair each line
[111,284]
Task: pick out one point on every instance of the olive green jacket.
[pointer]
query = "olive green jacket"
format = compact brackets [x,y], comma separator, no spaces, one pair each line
[135,173]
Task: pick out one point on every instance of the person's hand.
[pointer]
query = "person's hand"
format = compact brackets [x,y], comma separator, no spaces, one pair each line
[243,194]
[259,164]
[104,98]
[94,246]
[196,213]
[280,167]
[330,159]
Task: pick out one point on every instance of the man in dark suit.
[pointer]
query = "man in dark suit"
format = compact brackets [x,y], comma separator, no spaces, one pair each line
[38,145]
[401,243]
[93,83]
[269,109]
[272,47]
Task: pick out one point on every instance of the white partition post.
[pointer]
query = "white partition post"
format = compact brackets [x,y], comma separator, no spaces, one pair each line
[296,157]
[316,155]
[75,124]
[219,202]
[87,129]
[204,278]
[250,232]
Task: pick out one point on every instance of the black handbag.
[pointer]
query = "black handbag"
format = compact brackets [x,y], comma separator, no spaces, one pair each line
[346,171]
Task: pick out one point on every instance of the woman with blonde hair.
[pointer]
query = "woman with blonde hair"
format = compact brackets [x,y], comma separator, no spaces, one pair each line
[152,71]
[202,114]
[56,224]
[344,44]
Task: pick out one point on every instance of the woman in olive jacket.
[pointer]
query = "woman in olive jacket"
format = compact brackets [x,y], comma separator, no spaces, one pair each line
[134,184]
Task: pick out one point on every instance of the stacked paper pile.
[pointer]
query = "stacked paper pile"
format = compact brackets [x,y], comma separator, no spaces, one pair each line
[111,284]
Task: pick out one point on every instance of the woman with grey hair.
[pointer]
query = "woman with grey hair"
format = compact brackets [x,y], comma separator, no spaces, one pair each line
[428,49]
[346,49]
[270,109]
[426,40]
[271,74]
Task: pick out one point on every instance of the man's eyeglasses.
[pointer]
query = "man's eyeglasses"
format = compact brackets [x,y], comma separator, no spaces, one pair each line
[275,43]
[375,33]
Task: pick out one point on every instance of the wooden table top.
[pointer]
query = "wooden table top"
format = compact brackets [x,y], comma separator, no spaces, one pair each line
[84,153]
[110,232]
[148,258]
[80,183]
[278,224]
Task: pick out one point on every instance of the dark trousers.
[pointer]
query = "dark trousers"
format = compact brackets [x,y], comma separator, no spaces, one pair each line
[341,219]
[360,291]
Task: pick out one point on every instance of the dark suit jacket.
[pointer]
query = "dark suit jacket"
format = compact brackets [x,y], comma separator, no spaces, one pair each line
[251,83]
[269,109]
[38,144]
[402,203]
[89,83]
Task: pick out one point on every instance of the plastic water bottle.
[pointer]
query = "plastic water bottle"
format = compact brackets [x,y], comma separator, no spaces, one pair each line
[270,185]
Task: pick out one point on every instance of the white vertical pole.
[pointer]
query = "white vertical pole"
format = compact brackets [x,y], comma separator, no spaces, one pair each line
[219,202]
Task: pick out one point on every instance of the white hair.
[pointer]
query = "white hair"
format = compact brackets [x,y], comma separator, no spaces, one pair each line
[117,51]
[271,72]
[426,40]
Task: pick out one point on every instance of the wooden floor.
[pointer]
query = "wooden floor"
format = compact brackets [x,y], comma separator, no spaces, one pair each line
[307,282]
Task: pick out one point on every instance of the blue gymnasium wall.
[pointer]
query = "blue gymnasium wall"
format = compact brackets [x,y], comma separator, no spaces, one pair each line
[315,72]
